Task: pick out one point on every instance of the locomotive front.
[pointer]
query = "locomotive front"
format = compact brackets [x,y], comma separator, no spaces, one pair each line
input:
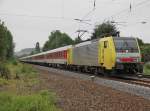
[128,57]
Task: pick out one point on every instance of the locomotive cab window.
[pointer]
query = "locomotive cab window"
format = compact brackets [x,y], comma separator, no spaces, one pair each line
[105,44]
[129,44]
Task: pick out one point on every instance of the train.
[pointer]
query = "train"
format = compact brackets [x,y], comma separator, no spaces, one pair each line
[108,55]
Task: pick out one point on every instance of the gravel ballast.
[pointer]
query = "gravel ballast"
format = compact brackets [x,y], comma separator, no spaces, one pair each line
[122,86]
[76,92]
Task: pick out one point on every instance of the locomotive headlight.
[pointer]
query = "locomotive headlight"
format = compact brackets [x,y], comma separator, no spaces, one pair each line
[118,60]
[137,59]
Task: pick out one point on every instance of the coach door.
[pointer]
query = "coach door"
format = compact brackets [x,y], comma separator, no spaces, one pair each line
[101,53]
[106,53]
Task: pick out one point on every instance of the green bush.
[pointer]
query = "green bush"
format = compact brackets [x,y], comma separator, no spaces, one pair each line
[147,69]
[4,71]
[14,62]
[43,101]
[28,71]
[147,65]
[21,70]
[145,51]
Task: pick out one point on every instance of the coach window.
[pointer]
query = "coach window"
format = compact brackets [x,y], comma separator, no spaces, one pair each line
[105,44]
[59,54]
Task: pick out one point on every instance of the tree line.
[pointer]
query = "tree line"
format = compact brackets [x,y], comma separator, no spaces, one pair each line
[6,43]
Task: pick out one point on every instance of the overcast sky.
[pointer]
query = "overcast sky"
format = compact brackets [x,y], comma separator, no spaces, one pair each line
[33,20]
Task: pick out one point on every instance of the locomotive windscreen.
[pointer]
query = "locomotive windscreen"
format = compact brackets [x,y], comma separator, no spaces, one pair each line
[124,44]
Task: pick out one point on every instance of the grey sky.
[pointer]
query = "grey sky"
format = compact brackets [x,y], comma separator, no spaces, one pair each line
[33,20]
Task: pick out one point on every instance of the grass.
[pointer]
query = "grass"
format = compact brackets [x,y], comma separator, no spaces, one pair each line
[4,82]
[147,69]
[23,72]
[43,101]
[19,94]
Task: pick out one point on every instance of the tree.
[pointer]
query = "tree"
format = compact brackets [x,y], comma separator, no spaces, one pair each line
[57,39]
[6,42]
[37,48]
[145,51]
[6,49]
[30,53]
[104,29]
[2,42]
[140,42]
[10,45]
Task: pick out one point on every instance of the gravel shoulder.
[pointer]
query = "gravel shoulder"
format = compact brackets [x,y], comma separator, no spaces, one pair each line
[77,94]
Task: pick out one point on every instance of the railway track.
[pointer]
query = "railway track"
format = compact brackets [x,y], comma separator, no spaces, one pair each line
[139,81]
[142,81]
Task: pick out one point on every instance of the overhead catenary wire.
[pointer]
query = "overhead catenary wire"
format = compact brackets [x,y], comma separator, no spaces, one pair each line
[128,9]
[90,12]
[62,9]
[37,16]
[143,3]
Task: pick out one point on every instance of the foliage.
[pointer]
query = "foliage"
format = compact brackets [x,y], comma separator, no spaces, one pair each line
[4,71]
[37,48]
[6,43]
[140,42]
[77,40]
[21,70]
[147,68]
[14,69]
[104,29]
[57,39]
[4,82]
[6,50]
[145,50]
[20,94]
[43,101]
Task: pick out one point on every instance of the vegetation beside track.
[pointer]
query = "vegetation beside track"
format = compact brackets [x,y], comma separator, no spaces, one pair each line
[43,101]
[147,69]
[18,93]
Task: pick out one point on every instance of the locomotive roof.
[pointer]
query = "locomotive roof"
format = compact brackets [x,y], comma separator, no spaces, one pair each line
[123,38]
[86,43]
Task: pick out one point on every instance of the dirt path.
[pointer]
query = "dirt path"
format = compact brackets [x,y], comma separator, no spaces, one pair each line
[78,95]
